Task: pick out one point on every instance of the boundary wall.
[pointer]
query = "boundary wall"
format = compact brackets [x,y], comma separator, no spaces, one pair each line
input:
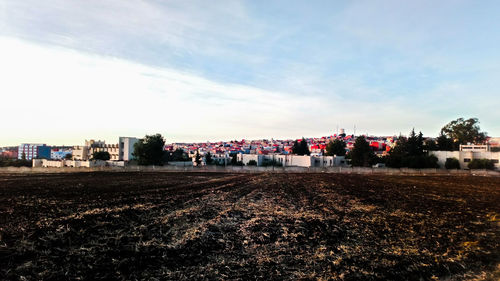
[252,169]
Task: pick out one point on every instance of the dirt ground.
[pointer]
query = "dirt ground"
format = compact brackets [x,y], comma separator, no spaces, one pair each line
[207,226]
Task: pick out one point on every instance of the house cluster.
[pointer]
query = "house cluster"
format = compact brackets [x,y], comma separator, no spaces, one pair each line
[317,146]
[247,152]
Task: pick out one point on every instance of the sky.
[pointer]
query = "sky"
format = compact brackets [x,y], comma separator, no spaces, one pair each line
[220,70]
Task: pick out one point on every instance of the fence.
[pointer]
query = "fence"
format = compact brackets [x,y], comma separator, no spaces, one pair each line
[253,169]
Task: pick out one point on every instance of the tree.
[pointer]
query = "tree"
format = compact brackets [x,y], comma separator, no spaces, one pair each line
[68,156]
[481,164]
[304,148]
[452,163]
[336,147]
[430,145]
[295,147]
[208,158]
[464,131]
[444,143]
[397,153]
[150,150]
[178,155]
[409,152]
[362,154]
[301,148]
[234,159]
[101,155]
[197,158]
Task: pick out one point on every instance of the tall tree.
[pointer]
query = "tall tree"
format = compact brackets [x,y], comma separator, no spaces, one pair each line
[150,150]
[336,147]
[301,148]
[410,153]
[197,158]
[304,148]
[464,131]
[208,158]
[444,143]
[362,154]
[295,147]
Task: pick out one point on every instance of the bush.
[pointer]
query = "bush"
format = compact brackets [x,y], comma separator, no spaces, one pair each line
[452,163]
[15,163]
[101,155]
[252,163]
[420,162]
[481,164]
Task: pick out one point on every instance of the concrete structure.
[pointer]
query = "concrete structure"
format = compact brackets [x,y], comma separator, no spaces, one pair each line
[126,148]
[474,147]
[32,151]
[85,152]
[75,163]
[464,157]
[294,160]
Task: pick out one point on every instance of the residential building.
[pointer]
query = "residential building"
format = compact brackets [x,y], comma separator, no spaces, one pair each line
[464,157]
[126,148]
[85,152]
[32,151]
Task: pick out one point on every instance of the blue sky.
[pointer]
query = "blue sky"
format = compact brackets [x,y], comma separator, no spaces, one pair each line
[211,70]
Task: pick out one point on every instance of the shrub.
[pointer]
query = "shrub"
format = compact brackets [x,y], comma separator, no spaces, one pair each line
[452,163]
[101,155]
[481,164]
[252,163]
[15,163]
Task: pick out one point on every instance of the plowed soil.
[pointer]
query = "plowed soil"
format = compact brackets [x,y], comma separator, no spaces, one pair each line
[207,226]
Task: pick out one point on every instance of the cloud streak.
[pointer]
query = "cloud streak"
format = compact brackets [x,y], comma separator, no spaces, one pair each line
[250,69]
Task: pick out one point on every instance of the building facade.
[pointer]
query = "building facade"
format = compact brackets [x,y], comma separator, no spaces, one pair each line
[31,151]
[285,160]
[465,157]
[91,146]
[126,148]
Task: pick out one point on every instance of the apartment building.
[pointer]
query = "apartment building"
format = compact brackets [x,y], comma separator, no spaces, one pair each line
[32,151]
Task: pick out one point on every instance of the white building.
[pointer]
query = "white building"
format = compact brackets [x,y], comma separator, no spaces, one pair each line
[31,151]
[294,160]
[126,148]
[464,157]
[117,152]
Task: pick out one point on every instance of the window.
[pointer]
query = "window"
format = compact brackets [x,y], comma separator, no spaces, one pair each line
[466,160]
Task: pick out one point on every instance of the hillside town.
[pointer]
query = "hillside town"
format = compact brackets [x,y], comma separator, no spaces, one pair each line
[243,152]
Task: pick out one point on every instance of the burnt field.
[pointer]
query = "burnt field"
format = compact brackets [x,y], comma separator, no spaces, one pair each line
[205,226]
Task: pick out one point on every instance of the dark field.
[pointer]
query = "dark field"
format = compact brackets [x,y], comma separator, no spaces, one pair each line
[188,226]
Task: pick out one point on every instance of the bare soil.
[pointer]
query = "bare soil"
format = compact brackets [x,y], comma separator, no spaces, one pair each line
[208,226]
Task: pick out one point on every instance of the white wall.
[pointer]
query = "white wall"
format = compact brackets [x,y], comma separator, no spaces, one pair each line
[464,157]
[294,160]
[126,148]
